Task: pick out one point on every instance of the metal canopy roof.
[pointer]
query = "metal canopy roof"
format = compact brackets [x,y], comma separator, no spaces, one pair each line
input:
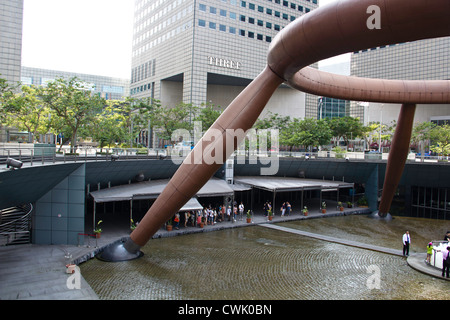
[152,189]
[285,184]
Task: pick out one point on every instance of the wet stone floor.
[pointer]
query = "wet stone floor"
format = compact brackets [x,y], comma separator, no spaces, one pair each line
[261,263]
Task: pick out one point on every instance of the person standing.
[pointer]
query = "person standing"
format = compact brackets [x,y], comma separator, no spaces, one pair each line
[406,243]
[241,210]
[283,209]
[445,262]
[429,252]
[288,208]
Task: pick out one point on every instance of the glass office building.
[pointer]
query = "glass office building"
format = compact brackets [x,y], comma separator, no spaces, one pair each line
[106,87]
[419,60]
[329,108]
[11,19]
[207,51]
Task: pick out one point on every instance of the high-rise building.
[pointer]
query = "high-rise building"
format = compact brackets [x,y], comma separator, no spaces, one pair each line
[106,87]
[419,60]
[11,18]
[204,51]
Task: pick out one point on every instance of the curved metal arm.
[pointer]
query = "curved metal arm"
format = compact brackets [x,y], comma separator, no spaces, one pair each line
[334,29]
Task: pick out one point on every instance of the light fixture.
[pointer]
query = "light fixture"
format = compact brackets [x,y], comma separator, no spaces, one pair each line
[15,164]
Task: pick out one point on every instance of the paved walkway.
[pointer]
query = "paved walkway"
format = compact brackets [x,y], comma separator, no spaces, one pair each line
[38,271]
[335,240]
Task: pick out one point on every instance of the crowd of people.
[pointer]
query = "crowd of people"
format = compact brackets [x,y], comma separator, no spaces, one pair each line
[209,215]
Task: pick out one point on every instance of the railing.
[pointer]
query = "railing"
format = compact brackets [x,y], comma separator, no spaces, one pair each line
[15,225]
[46,155]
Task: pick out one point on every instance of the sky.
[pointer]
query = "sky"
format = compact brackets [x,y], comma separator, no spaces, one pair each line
[84,36]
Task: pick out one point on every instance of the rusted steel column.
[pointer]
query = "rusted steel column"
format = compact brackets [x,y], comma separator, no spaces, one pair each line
[397,156]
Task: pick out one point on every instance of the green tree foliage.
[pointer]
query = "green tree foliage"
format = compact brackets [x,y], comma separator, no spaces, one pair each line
[440,137]
[72,103]
[170,119]
[346,128]
[308,132]
[25,112]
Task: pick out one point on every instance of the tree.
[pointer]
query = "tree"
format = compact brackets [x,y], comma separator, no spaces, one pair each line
[421,134]
[273,121]
[170,119]
[440,137]
[72,102]
[346,128]
[208,114]
[25,112]
[308,133]
[109,126]
[6,93]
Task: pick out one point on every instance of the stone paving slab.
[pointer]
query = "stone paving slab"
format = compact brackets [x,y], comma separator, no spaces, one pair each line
[38,272]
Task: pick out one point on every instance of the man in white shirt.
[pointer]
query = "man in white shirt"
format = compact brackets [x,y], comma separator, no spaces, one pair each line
[406,242]
[445,262]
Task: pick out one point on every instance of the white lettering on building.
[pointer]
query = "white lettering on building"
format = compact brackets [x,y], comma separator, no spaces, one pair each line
[224,63]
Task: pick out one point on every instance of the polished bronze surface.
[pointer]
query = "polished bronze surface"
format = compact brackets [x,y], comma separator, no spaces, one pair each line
[340,27]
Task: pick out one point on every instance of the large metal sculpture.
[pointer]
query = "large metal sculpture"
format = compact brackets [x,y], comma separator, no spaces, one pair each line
[340,27]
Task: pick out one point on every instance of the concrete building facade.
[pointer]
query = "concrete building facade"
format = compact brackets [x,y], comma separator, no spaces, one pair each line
[418,60]
[208,51]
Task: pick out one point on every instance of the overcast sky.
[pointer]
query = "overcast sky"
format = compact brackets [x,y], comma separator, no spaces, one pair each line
[85,36]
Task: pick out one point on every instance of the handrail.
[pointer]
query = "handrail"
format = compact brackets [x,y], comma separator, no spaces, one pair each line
[20,225]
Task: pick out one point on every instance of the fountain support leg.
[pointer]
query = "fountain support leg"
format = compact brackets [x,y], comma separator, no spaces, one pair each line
[217,144]
[397,157]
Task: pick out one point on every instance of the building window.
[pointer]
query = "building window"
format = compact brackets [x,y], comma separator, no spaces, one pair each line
[300,8]
[251,20]
[260,23]
[293,6]
[212,25]
[269,11]
[242,32]
[268,39]
[243,4]
[223,13]
[259,36]
[202,23]
[222,27]
[277,14]
[212,10]
[233,15]
[202,7]
[268,25]
[232,30]
[251,6]
[277,27]
[285,16]
[260,8]
[242,18]
[285,3]
[251,34]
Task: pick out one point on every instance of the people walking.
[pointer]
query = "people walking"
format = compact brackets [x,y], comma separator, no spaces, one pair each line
[283,209]
[406,242]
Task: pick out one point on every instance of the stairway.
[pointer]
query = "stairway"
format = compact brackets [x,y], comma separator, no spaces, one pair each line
[15,225]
